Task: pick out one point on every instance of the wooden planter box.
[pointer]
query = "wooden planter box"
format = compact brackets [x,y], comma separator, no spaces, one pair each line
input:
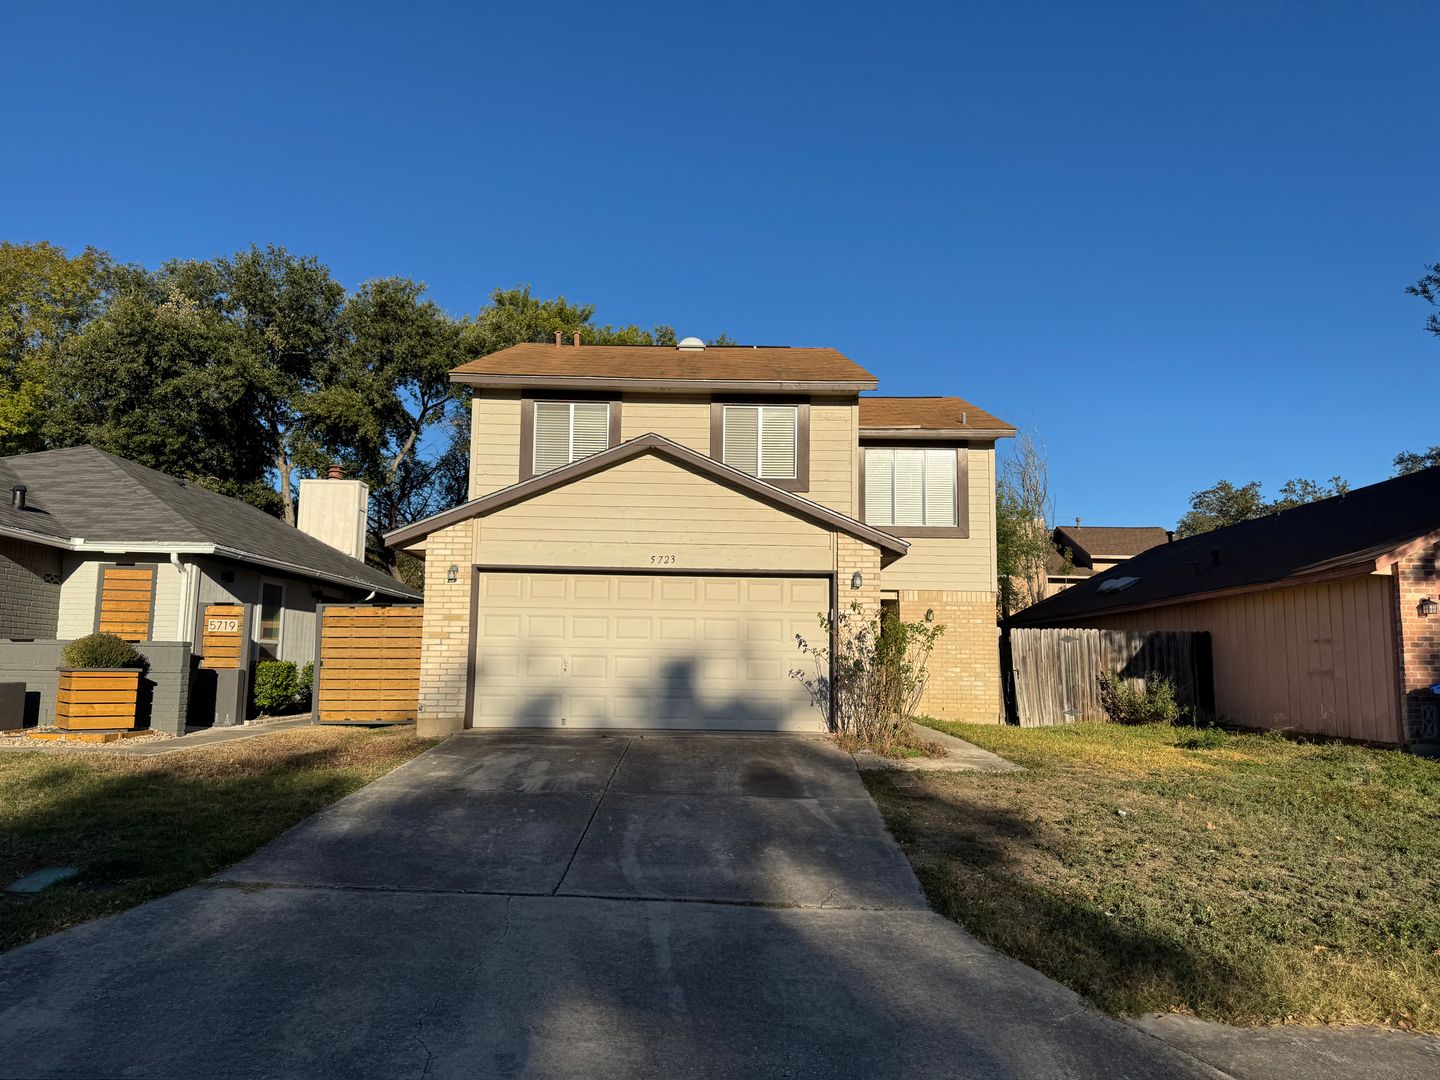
[94,698]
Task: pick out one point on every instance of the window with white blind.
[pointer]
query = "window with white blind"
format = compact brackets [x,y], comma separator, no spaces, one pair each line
[567,431]
[911,486]
[762,440]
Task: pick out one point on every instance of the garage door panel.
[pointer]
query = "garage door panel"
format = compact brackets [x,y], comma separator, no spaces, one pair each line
[668,651]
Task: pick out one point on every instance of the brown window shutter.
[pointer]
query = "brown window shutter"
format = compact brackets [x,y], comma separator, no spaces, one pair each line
[127,599]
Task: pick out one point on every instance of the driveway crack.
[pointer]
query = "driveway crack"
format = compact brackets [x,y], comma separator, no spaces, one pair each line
[595,810]
[455,983]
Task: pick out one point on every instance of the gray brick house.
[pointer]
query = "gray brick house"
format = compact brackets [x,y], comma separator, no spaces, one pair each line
[74,522]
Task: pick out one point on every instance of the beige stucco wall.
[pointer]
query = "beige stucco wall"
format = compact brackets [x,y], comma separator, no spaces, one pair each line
[1320,658]
[650,512]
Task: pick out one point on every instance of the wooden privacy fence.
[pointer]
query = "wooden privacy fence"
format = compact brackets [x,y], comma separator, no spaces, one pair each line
[368,670]
[1055,673]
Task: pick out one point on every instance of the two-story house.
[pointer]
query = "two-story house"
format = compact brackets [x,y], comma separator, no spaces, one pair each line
[649,529]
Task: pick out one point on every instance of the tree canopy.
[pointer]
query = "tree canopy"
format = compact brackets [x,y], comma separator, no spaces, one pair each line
[247,372]
[1228,504]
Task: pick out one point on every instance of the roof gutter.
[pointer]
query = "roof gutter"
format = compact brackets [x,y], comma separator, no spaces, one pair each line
[173,551]
[587,382]
[910,434]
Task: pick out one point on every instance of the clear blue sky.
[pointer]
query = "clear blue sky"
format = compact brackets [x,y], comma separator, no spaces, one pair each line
[1170,238]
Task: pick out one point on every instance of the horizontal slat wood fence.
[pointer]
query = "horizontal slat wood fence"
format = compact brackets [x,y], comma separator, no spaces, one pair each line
[369,667]
[1055,673]
[127,598]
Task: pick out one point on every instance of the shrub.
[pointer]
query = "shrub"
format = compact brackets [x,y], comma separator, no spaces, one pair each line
[275,685]
[102,651]
[1155,704]
[304,684]
[877,669]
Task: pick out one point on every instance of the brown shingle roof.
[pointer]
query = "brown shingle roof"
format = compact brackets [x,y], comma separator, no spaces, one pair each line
[762,365]
[927,414]
[1347,534]
[1097,541]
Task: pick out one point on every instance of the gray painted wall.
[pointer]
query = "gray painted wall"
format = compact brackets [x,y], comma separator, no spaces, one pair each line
[297,626]
[164,689]
[29,590]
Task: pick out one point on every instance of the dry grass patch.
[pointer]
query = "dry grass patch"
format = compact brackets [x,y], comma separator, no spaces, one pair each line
[140,827]
[1243,878]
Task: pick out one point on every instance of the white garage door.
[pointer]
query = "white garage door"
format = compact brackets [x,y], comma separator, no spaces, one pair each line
[626,650]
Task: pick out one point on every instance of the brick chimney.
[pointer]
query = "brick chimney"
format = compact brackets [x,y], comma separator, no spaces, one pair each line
[576,341]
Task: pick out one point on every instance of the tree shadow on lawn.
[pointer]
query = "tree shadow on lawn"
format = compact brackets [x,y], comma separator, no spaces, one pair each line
[976,865]
[139,828]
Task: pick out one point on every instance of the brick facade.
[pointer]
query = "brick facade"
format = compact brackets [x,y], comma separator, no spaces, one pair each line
[1417,577]
[445,632]
[965,666]
[29,590]
[853,555]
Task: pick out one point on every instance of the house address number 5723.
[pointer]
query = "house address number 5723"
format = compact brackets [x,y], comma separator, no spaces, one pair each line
[662,560]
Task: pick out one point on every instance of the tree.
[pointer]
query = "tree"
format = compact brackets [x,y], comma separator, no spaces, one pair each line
[45,298]
[1428,289]
[1022,537]
[386,389]
[1225,504]
[162,380]
[1408,461]
[285,310]
[1298,492]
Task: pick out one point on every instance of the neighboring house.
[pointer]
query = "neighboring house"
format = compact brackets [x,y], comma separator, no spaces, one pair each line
[1081,552]
[90,541]
[1322,618]
[651,528]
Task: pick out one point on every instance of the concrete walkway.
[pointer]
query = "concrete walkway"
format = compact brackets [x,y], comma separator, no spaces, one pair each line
[562,906]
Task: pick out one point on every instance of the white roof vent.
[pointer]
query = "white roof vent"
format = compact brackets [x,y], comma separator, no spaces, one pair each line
[690,343]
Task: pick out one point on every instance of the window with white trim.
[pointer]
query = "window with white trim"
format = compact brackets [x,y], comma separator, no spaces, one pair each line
[910,486]
[567,431]
[762,440]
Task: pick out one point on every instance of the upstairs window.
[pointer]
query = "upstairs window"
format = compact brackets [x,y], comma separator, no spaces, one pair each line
[907,486]
[567,431]
[762,440]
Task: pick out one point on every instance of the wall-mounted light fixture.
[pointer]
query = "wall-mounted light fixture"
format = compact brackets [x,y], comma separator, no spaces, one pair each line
[453,574]
[857,579]
[1428,607]
[929,614]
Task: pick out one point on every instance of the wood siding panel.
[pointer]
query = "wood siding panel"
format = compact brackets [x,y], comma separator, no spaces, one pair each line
[369,667]
[958,564]
[648,512]
[494,441]
[80,588]
[1318,659]
[835,453]
[685,420]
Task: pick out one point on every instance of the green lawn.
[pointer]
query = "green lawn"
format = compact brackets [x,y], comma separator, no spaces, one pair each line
[142,827]
[1243,878]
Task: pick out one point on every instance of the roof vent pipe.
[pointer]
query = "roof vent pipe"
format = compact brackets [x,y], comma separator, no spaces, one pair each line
[17,496]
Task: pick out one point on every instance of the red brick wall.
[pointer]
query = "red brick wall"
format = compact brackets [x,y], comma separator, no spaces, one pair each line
[1417,577]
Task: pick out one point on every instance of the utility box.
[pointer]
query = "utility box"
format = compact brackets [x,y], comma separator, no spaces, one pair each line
[12,706]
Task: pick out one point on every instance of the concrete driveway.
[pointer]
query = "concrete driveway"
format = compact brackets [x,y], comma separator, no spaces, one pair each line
[562,906]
